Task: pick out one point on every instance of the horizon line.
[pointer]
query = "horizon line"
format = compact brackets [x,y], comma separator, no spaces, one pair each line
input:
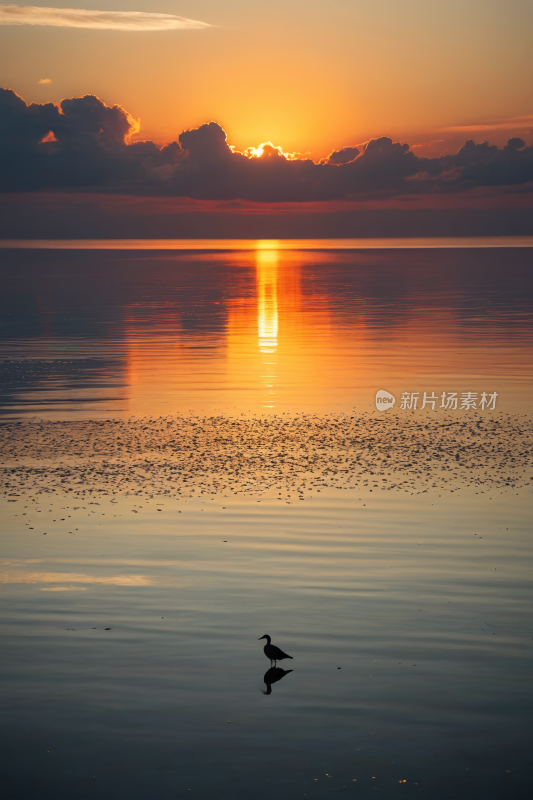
[374,243]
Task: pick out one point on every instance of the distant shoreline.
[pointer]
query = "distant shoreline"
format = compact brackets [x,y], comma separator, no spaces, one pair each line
[385,243]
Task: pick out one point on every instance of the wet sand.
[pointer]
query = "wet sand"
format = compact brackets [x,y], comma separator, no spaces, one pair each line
[293,456]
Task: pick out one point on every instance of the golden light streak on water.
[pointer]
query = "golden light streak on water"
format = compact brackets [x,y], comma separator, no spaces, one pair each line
[267,300]
[20,576]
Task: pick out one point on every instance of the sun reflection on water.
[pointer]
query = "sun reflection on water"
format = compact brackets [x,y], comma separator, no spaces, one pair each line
[267,317]
[272,328]
[267,300]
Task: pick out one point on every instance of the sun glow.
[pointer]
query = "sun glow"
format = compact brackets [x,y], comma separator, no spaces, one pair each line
[267,244]
[269,150]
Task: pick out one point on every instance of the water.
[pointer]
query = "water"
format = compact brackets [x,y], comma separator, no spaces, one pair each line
[196,435]
[109,333]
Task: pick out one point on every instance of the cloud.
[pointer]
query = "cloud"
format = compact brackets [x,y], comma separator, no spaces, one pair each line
[99,20]
[44,80]
[513,123]
[101,214]
[88,146]
[343,156]
[82,143]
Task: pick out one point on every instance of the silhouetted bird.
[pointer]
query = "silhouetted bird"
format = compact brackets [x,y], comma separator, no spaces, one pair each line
[271,651]
[273,675]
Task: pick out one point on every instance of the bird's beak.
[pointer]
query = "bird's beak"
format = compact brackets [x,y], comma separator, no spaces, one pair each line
[261,637]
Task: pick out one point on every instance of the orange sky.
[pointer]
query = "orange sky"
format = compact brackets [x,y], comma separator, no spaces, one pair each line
[308,76]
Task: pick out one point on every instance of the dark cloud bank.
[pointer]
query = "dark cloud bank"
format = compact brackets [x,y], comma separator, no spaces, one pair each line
[87,148]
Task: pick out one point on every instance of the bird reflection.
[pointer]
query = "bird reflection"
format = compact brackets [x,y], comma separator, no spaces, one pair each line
[273,675]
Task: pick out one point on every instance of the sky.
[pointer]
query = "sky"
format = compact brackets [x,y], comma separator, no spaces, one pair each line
[305,75]
[384,106]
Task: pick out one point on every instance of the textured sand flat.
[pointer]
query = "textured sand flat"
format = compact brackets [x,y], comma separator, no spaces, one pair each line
[178,454]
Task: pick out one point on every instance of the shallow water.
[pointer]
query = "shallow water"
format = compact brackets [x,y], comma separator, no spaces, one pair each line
[115,333]
[393,546]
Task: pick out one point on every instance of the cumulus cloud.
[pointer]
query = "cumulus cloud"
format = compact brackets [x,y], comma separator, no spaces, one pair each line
[343,156]
[82,142]
[44,80]
[100,20]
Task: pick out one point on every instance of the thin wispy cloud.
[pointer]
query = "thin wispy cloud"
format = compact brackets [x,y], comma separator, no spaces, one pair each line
[44,80]
[505,125]
[98,20]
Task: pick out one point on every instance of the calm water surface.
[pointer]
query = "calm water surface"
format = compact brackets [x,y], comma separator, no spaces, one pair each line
[408,615]
[94,332]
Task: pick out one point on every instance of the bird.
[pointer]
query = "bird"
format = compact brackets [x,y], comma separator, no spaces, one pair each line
[273,675]
[271,651]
